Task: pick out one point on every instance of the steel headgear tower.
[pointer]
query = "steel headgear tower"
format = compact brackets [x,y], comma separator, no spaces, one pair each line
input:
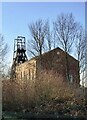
[19,55]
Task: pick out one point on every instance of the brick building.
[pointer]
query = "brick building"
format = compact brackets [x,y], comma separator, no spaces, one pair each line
[54,60]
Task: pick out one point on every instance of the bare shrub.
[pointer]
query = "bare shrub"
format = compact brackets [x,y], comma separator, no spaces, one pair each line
[51,85]
[25,94]
[17,94]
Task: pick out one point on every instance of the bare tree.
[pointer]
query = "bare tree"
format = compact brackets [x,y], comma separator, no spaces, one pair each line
[49,37]
[38,31]
[85,61]
[80,50]
[81,46]
[3,53]
[65,28]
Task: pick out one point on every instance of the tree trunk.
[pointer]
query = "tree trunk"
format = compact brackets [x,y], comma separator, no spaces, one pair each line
[67,68]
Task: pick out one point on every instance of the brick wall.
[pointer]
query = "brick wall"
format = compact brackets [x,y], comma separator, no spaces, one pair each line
[54,60]
[26,70]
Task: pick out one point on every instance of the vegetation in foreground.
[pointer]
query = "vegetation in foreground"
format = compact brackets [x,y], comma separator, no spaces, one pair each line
[47,97]
[54,109]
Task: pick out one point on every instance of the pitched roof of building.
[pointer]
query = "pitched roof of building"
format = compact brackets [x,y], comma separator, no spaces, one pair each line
[44,54]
